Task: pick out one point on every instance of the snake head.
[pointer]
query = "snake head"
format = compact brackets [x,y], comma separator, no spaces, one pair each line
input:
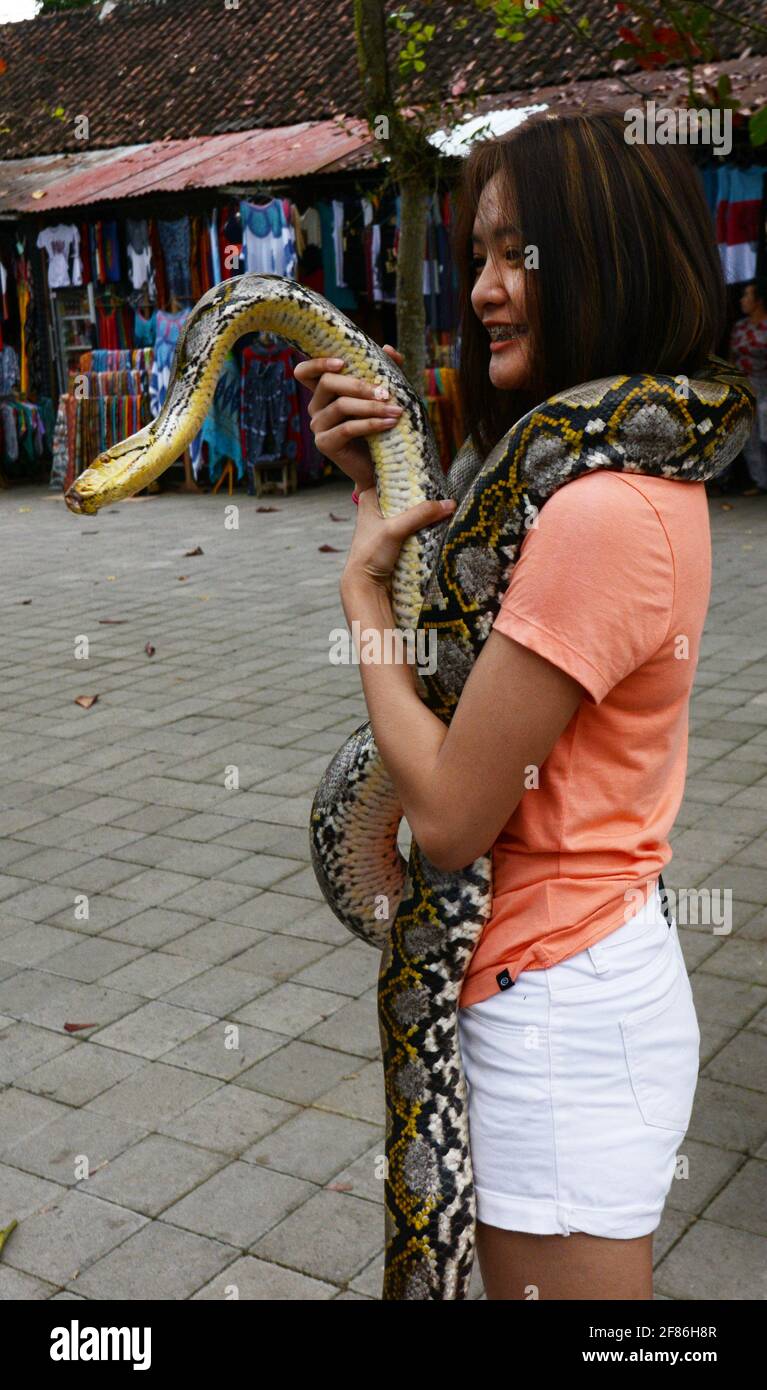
[120,471]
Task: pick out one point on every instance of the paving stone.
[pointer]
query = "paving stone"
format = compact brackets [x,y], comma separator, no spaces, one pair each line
[258,1279]
[78,1074]
[314,1145]
[158,1262]
[153,1029]
[61,1148]
[228,1119]
[31,944]
[332,1237]
[51,1000]
[155,973]
[239,1203]
[279,957]
[712,1261]
[290,1009]
[301,1072]
[361,1096]
[154,926]
[153,1093]
[153,1173]
[213,1051]
[743,1061]
[729,1116]
[71,1232]
[351,969]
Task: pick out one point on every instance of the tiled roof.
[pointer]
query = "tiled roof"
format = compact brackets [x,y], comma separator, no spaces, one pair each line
[175,69]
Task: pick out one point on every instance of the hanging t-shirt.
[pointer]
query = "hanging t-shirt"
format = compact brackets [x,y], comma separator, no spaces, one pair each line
[262,236]
[340,295]
[63,246]
[139,254]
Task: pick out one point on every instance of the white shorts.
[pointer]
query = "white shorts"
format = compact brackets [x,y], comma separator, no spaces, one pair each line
[581,1083]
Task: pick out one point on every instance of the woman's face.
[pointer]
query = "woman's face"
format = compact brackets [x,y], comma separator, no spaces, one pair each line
[498,295]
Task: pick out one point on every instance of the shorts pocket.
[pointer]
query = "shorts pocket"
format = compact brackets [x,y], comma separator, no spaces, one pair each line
[662,1047]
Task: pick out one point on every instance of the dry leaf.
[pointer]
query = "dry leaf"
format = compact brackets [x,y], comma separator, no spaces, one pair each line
[86,700]
[26,600]
[332,549]
[340,1187]
[77,1027]
[726,507]
[113,620]
[198,550]
[149,649]
[267,509]
[183,578]
[333,517]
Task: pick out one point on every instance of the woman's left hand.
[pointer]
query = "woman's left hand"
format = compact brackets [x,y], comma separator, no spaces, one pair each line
[378,540]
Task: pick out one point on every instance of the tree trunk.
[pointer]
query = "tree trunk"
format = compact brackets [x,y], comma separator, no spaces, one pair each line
[412,161]
[411,318]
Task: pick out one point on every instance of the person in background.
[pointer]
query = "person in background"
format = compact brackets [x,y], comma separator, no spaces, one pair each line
[748,350]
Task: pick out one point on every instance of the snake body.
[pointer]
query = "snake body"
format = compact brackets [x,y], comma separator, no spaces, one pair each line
[449,579]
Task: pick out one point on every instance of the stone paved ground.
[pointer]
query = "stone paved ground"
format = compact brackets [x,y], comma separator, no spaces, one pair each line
[212,1165]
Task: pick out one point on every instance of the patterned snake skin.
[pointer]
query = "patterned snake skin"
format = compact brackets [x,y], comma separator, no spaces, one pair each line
[451,579]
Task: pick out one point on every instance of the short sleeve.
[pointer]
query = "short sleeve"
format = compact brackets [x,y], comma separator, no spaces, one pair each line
[593,587]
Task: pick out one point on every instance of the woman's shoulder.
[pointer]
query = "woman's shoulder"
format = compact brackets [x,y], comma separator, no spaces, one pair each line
[612,492]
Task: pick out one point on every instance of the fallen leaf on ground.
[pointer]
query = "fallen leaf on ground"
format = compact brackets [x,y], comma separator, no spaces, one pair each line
[726,506]
[182,578]
[86,700]
[267,509]
[198,550]
[149,649]
[113,620]
[6,1231]
[333,517]
[26,600]
[332,548]
[340,1187]
[77,1027]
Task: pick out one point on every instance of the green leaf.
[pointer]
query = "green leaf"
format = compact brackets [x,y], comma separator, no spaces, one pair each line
[757,127]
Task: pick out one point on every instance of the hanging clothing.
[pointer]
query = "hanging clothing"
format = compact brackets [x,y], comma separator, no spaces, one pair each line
[139,255]
[221,429]
[144,330]
[112,268]
[215,252]
[262,236]
[265,406]
[175,237]
[9,371]
[737,221]
[340,295]
[168,332]
[62,244]
[158,265]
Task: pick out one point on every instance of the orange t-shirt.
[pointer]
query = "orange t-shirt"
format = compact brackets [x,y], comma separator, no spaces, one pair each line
[612,585]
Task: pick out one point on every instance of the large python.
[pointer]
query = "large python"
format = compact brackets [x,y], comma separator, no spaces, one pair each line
[449,578]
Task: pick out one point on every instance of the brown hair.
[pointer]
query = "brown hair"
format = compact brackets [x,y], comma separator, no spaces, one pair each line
[630,278]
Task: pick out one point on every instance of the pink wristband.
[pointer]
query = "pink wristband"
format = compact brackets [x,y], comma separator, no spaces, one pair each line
[356,498]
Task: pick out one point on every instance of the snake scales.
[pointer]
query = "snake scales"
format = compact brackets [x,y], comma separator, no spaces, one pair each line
[448,578]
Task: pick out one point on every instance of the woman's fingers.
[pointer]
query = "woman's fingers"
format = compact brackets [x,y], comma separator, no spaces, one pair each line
[423,514]
[351,407]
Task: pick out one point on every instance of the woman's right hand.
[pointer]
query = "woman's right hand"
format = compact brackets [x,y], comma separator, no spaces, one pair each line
[344,410]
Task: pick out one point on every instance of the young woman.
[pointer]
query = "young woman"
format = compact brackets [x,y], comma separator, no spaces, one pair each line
[580,256]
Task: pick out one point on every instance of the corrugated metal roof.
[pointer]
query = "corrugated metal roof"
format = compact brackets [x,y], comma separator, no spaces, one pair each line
[170,166]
